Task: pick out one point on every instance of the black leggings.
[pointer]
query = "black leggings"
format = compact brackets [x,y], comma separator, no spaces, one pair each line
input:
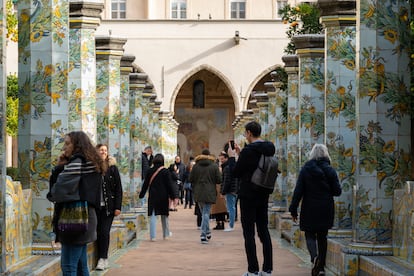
[317,244]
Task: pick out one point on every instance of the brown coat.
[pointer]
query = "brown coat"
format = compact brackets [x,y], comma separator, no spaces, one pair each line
[220,205]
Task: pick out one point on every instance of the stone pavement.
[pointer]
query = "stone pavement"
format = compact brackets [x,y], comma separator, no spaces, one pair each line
[183,254]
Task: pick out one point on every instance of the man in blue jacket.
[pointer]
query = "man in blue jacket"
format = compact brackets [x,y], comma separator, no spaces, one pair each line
[253,199]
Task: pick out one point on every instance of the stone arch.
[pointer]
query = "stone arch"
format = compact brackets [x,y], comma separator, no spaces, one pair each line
[255,82]
[212,70]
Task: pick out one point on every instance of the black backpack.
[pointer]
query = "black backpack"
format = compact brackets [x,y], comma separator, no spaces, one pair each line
[266,173]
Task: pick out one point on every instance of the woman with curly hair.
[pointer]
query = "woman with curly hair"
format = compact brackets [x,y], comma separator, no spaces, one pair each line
[77,177]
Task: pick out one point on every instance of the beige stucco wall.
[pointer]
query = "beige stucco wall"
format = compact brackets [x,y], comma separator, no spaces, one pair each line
[171,51]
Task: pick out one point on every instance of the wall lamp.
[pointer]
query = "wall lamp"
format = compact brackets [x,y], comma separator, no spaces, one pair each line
[237,37]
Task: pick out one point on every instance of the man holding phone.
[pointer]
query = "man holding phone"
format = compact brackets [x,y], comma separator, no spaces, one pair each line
[253,201]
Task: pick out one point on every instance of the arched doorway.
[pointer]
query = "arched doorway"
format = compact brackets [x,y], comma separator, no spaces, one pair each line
[204,109]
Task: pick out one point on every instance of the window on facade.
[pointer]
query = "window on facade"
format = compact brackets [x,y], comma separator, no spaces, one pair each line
[118,8]
[179,9]
[198,94]
[238,9]
[280,4]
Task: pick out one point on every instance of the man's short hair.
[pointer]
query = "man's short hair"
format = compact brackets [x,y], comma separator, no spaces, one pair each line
[254,128]
[205,152]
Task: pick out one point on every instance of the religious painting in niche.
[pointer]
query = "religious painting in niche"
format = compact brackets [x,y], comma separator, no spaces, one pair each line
[198,94]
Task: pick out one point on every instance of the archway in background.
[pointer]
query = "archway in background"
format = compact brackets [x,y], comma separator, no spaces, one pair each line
[206,125]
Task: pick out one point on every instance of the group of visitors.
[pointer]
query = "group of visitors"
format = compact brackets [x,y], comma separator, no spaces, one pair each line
[88,176]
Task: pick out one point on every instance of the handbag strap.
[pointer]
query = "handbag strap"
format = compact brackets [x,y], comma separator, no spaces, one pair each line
[155,174]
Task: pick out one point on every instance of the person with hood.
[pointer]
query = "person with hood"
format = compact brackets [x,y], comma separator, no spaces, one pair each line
[111,202]
[204,176]
[253,199]
[316,186]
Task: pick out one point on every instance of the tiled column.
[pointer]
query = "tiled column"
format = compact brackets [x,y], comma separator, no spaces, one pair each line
[156,124]
[3,87]
[147,120]
[137,82]
[43,100]
[383,104]
[278,100]
[310,50]
[84,19]
[124,156]
[109,51]
[292,132]
[168,137]
[262,102]
[338,18]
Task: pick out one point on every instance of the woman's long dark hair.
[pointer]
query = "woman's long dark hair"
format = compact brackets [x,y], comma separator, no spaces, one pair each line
[158,160]
[82,145]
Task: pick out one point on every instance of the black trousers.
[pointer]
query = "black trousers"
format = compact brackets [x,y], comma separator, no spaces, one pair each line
[102,230]
[254,213]
[317,244]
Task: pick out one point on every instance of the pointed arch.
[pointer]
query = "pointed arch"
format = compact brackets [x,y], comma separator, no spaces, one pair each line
[255,82]
[212,70]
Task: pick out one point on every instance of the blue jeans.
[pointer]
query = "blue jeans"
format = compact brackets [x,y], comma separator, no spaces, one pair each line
[153,225]
[73,260]
[205,218]
[231,208]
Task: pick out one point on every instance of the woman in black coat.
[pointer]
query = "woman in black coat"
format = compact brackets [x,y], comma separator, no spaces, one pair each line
[161,187]
[111,203]
[316,186]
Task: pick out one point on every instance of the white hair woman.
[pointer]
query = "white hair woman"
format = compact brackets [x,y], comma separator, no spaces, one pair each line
[316,186]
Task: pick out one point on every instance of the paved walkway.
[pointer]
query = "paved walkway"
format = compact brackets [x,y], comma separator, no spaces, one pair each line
[184,255]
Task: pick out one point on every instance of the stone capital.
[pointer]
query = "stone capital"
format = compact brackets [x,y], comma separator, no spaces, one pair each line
[85,15]
[337,7]
[290,60]
[109,46]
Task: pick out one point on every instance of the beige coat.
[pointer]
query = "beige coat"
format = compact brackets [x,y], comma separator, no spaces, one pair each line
[220,205]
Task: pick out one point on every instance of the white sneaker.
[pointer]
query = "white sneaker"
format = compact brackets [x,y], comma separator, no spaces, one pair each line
[250,274]
[228,229]
[100,265]
[262,273]
[106,264]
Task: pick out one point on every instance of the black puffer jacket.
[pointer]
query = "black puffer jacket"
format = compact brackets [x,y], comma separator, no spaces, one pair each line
[247,164]
[316,186]
[160,190]
[230,183]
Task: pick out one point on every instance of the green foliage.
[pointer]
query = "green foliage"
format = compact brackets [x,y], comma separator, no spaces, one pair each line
[12,86]
[12,103]
[303,19]
[12,172]
[11,21]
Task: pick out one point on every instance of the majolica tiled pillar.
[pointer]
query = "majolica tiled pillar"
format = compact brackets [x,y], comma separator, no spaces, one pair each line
[124,153]
[156,125]
[384,97]
[292,132]
[310,50]
[43,101]
[109,51]
[84,18]
[137,82]
[147,119]
[3,87]
[262,102]
[168,137]
[278,100]
[338,18]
